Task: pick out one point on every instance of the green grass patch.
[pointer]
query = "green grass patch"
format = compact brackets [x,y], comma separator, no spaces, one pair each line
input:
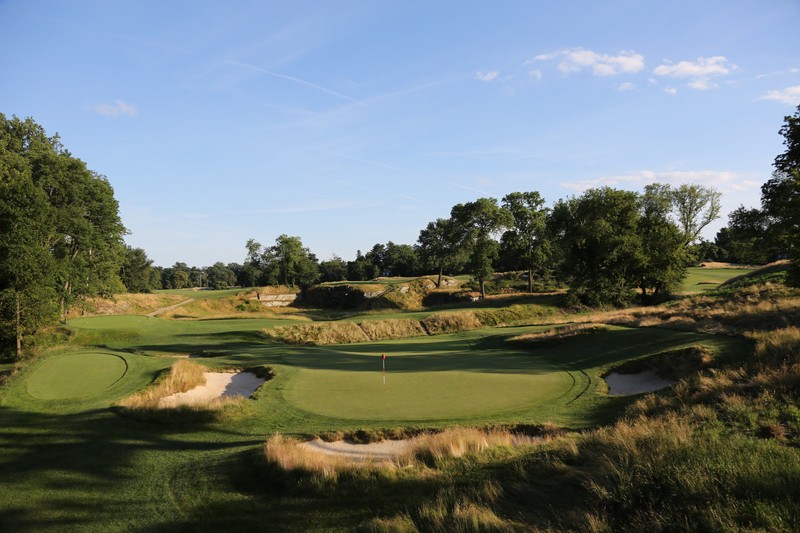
[702,279]
[76,375]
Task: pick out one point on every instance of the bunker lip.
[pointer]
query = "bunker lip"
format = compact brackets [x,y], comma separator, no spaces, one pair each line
[638,383]
[383,451]
[374,451]
[219,385]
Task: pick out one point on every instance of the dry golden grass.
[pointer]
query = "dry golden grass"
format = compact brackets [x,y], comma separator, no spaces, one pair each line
[380,330]
[426,449]
[559,333]
[184,375]
[455,442]
[318,334]
[127,304]
[286,453]
[442,323]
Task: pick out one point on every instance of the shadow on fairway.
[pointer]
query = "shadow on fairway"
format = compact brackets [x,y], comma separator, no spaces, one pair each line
[93,451]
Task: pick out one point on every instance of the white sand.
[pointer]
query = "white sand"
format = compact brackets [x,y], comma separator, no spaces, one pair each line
[625,384]
[382,451]
[218,385]
[374,451]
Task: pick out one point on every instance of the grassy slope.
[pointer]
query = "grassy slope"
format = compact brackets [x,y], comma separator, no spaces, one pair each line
[76,464]
[702,279]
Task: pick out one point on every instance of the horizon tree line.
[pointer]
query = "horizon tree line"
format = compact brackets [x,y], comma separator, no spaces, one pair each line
[61,238]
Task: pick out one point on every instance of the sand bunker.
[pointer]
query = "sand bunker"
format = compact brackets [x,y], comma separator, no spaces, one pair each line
[218,385]
[383,451]
[374,451]
[625,384]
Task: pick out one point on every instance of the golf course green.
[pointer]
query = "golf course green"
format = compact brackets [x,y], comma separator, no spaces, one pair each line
[76,375]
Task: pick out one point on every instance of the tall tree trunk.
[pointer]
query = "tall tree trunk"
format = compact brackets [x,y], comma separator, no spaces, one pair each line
[19,328]
[530,280]
[439,282]
[483,290]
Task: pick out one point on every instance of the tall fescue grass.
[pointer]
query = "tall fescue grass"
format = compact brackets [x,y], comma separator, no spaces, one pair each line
[184,375]
[317,333]
[380,330]
[442,323]
[559,333]
[428,449]
[373,330]
[127,304]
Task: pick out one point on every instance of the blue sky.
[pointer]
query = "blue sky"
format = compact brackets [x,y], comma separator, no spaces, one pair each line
[353,123]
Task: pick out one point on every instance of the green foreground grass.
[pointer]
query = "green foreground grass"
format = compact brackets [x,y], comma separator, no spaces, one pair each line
[70,460]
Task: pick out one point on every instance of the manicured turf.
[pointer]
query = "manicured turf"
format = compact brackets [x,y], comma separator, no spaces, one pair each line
[73,463]
[703,279]
[76,375]
[434,379]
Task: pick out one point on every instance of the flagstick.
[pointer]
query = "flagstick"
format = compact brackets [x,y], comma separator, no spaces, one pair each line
[383,360]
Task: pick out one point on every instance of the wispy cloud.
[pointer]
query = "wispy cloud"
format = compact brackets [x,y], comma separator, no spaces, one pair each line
[486,76]
[627,86]
[468,188]
[791,70]
[671,90]
[578,59]
[308,207]
[118,108]
[788,95]
[298,81]
[699,73]
[721,179]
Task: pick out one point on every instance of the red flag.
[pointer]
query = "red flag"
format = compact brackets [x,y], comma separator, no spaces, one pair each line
[384,357]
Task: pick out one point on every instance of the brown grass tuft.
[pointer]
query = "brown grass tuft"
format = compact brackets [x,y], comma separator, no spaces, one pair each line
[442,323]
[559,333]
[380,330]
[184,375]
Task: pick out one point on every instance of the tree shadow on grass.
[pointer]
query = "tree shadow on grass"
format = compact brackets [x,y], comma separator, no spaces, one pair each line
[81,464]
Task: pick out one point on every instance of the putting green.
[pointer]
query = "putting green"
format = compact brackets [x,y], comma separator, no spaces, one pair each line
[77,375]
[429,383]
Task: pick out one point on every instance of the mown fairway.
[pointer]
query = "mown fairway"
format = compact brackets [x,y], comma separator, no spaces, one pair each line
[69,460]
[702,279]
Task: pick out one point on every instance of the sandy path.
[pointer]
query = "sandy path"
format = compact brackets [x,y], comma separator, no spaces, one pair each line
[170,308]
[218,385]
[625,384]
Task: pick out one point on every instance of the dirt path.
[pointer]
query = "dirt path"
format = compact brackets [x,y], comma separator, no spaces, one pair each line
[170,308]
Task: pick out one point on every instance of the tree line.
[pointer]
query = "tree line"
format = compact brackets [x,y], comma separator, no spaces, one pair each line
[61,238]
[60,231]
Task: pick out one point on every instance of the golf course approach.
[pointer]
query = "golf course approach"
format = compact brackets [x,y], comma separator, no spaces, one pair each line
[76,375]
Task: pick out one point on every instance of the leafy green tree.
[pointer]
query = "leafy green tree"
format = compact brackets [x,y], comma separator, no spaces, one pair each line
[60,237]
[361,269]
[296,265]
[136,269]
[477,224]
[400,260]
[438,248]
[377,256]
[695,207]
[527,238]
[599,244]
[788,162]
[253,268]
[334,269]
[780,196]
[220,276]
[752,238]
[664,256]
